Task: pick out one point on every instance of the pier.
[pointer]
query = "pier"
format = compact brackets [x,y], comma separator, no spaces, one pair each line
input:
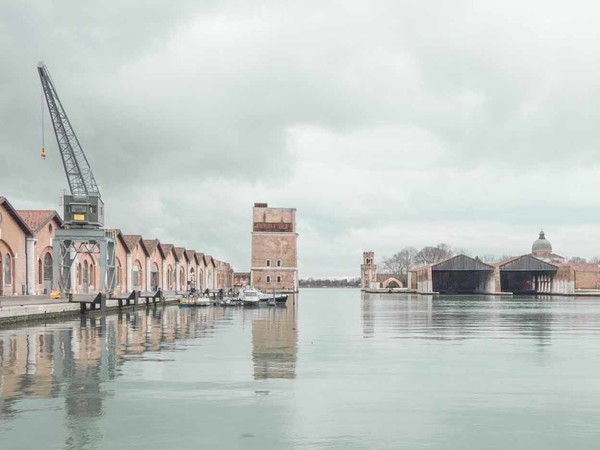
[39,308]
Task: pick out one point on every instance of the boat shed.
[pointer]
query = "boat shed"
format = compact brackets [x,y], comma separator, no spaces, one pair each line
[459,274]
[527,274]
[462,274]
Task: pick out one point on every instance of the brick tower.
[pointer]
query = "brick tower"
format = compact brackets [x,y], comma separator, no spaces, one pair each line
[368,270]
[274,264]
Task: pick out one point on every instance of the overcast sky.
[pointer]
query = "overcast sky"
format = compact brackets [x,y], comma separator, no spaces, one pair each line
[385,123]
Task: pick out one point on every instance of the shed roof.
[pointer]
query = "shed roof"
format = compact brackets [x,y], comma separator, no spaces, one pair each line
[179,252]
[13,212]
[191,255]
[151,245]
[166,249]
[131,240]
[462,262]
[526,263]
[36,219]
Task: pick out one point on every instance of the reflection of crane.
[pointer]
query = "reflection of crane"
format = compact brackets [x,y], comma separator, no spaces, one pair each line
[83,207]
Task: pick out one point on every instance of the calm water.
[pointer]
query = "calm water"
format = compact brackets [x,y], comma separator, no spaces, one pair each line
[334,371]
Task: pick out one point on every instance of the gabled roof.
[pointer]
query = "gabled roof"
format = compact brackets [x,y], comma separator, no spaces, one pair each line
[13,212]
[191,255]
[166,249]
[131,240]
[208,260]
[526,263]
[200,257]
[151,245]
[461,262]
[179,252]
[36,219]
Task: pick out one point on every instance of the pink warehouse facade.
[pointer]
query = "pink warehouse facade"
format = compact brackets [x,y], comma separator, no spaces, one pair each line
[26,254]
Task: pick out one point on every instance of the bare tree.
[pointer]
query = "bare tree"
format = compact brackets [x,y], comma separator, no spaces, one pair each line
[577,260]
[595,260]
[433,255]
[400,263]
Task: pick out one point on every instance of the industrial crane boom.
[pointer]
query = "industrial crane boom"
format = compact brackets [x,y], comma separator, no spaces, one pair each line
[78,170]
[84,206]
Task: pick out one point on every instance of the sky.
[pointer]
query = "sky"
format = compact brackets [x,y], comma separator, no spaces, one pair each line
[385,123]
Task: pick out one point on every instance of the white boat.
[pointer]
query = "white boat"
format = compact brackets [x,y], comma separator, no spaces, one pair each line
[275,297]
[249,296]
[194,301]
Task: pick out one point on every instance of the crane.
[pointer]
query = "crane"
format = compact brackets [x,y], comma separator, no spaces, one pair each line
[84,206]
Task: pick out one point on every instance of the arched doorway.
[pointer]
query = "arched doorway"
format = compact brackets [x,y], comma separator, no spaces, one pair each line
[47,273]
[7,270]
[137,276]
[192,282]
[86,277]
[154,276]
[170,278]
[182,279]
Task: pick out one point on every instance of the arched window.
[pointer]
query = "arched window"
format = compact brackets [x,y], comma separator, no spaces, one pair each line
[119,273]
[79,274]
[40,271]
[50,227]
[48,267]
[7,269]
[136,276]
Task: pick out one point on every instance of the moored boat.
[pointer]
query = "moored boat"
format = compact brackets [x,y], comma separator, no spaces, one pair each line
[249,297]
[194,301]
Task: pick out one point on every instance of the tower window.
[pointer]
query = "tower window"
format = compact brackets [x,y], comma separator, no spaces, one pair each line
[278,263]
[268,263]
[278,279]
[268,279]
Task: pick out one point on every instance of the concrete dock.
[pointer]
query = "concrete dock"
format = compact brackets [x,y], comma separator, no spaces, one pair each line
[39,308]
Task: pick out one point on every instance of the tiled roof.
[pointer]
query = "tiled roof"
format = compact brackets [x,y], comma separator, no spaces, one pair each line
[131,240]
[36,219]
[190,254]
[179,252]
[166,249]
[13,212]
[150,245]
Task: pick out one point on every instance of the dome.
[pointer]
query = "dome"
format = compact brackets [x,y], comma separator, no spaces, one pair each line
[542,244]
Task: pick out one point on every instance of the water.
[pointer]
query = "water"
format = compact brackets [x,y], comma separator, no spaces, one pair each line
[333,372]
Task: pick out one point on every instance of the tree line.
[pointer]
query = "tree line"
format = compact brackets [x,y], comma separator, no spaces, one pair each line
[327,282]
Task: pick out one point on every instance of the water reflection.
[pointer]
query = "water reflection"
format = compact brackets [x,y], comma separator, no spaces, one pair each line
[73,360]
[463,317]
[274,342]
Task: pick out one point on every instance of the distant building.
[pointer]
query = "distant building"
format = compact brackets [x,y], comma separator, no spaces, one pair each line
[274,261]
[538,272]
[372,279]
[368,270]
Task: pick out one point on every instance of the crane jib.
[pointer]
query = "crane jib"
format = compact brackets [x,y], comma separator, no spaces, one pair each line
[84,207]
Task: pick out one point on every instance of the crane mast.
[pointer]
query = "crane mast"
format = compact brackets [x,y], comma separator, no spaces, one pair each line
[84,207]
[83,235]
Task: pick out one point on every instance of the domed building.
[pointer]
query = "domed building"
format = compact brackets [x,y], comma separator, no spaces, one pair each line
[542,249]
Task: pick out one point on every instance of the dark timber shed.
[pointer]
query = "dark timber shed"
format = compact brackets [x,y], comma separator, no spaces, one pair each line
[461,274]
[526,275]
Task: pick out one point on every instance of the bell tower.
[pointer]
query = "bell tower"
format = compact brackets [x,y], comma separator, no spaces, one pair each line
[368,270]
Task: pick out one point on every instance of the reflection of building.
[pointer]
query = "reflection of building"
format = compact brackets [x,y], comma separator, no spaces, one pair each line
[274,248]
[74,360]
[274,343]
[540,271]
